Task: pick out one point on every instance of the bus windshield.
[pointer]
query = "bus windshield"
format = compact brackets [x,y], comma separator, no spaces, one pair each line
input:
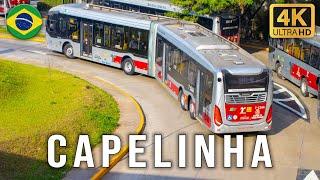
[236,83]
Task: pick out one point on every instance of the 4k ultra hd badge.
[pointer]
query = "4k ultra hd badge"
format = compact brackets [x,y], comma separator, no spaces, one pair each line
[24,21]
[292,20]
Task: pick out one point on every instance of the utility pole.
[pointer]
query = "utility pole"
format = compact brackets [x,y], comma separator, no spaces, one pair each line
[5,13]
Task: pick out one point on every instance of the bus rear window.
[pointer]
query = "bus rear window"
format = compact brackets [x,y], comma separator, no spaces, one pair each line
[249,83]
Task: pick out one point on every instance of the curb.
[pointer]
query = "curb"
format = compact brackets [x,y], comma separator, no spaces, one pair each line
[124,149]
[34,39]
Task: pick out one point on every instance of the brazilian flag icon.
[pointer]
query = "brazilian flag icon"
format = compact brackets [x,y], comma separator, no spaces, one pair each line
[24,21]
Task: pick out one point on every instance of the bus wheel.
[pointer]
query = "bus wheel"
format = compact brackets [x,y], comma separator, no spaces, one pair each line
[192,110]
[128,66]
[304,87]
[279,70]
[68,51]
[182,100]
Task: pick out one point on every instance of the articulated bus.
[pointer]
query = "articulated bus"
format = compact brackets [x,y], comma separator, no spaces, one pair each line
[219,83]
[226,25]
[6,5]
[298,60]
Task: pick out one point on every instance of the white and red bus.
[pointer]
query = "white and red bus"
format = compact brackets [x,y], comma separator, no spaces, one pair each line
[226,25]
[220,84]
[297,60]
[6,5]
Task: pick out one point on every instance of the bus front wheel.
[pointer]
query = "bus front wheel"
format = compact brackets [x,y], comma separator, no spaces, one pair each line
[68,51]
[304,87]
[128,66]
[192,109]
[279,70]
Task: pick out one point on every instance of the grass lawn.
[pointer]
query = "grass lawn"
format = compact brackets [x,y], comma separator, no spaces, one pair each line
[38,102]
[5,34]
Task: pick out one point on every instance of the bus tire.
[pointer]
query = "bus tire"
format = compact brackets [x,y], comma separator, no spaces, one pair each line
[68,51]
[304,87]
[279,70]
[192,110]
[182,100]
[128,66]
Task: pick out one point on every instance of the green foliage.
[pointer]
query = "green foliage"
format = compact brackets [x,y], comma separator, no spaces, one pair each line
[53,3]
[36,103]
[207,7]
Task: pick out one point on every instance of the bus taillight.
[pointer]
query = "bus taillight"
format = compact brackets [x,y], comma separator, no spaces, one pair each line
[269,117]
[217,116]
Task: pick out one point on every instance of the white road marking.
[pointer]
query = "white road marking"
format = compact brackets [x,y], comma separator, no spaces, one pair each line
[293,97]
[278,91]
[311,176]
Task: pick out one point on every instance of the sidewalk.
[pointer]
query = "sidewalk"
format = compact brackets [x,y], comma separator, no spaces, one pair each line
[131,122]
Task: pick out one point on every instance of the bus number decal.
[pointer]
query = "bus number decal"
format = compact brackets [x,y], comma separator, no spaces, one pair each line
[242,112]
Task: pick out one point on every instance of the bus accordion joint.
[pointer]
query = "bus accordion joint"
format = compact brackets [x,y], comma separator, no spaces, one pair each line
[217,116]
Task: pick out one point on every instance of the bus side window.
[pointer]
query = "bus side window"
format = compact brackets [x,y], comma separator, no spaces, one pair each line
[138,41]
[183,69]
[107,36]
[208,87]
[117,37]
[98,34]
[315,57]
[306,52]
[52,25]
[192,74]
[73,28]
[62,27]
[159,57]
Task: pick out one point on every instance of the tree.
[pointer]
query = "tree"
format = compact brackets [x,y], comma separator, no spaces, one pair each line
[208,7]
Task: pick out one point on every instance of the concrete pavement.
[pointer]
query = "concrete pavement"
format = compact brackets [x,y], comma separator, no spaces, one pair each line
[294,143]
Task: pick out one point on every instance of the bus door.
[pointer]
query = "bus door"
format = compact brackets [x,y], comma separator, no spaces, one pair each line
[86,39]
[205,97]
[160,61]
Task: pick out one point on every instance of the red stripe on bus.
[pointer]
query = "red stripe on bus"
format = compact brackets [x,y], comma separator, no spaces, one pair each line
[206,119]
[298,72]
[141,65]
[173,87]
[117,59]
[160,75]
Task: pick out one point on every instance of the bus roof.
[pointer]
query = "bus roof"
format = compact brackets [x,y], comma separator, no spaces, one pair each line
[210,49]
[156,4]
[104,14]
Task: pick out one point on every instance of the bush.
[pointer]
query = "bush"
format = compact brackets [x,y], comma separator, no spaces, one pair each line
[43,6]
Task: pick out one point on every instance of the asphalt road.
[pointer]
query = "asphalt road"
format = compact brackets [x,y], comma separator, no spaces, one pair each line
[294,143]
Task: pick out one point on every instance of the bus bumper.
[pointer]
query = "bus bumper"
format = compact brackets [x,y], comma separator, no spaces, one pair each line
[225,129]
